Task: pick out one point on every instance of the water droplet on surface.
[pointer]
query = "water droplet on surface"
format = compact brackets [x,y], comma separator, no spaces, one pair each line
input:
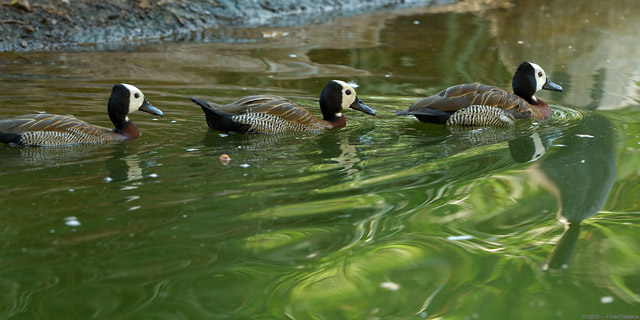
[392,286]
[458,238]
[72,221]
[606,299]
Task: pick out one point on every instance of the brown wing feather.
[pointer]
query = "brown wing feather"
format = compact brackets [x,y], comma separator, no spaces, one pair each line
[274,105]
[49,122]
[464,95]
[245,104]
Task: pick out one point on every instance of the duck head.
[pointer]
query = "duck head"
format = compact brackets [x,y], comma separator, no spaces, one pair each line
[125,99]
[338,96]
[528,79]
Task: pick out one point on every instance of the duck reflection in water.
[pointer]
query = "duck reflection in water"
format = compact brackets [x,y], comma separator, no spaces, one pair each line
[579,173]
[54,156]
[336,147]
[124,165]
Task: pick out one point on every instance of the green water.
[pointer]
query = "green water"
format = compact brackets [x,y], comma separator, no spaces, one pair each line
[387,218]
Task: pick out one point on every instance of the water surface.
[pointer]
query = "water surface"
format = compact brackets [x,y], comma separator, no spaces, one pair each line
[386,218]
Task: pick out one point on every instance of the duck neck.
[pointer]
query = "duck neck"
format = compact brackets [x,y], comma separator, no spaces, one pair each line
[338,121]
[128,130]
[120,119]
[524,94]
[541,110]
[330,106]
[119,123]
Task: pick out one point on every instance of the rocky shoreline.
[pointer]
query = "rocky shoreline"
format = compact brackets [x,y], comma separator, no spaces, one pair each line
[44,25]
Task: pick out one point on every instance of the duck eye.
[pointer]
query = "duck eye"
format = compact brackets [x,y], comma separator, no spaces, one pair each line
[136,95]
[539,73]
[347,92]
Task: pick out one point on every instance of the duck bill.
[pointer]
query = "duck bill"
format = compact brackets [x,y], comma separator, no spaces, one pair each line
[147,107]
[548,85]
[360,106]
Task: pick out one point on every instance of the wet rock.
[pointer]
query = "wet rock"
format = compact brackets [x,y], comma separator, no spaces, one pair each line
[107,23]
[22,4]
[144,4]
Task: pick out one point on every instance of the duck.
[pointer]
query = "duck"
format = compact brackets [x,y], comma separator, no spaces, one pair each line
[47,130]
[480,104]
[274,114]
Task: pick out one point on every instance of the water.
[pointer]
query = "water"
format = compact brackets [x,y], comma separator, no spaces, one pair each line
[386,218]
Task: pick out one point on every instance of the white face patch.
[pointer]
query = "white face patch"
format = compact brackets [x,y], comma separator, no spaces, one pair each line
[540,75]
[348,95]
[136,98]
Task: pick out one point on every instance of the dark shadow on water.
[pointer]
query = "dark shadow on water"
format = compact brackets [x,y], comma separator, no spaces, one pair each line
[579,173]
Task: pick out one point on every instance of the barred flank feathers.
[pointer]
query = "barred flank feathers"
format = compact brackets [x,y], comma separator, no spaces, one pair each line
[268,123]
[481,115]
[54,138]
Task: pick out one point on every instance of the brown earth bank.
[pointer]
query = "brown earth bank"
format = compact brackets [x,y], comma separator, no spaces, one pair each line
[42,25]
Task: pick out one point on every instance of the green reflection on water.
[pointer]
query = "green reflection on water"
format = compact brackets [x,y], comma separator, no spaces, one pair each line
[354,223]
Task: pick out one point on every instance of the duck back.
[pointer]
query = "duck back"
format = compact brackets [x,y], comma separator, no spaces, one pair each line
[53,130]
[464,95]
[260,114]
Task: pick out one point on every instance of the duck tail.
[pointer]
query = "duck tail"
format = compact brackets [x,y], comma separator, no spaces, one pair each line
[218,119]
[427,115]
[10,138]
[205,105]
